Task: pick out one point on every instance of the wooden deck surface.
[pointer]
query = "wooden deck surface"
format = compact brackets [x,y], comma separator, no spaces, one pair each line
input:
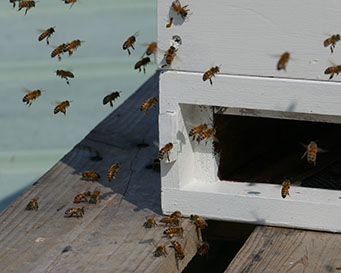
[110,237]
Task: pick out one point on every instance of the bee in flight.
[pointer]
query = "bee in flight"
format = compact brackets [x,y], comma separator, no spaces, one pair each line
[211,73]
[179,251]
[150,222]
[94,197]
[61,107]
[203,248]
[64,74]
[170,22]
[142,63]
[113,171]
[206,134]
[90,175]
[197,130]
[76,212]
[111,98]
[82,197]
[180,10]
[169,56]
[165,150]
[311,152]
[26,4]
[160,251]
[283,61]
[174,231]
[332,40]
[58,51]
[70,2]
[32,205]
[46,34]
[151,49]
[332,70]
[31,96]
[13,2]
[72,46]
[130,42]
[151,102]
[285,188]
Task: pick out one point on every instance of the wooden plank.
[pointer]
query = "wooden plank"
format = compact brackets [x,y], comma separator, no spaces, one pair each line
[271,249]
[110,237]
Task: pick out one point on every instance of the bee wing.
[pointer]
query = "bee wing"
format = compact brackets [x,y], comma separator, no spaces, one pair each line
[56,102]
[320,150]
[25,90]
[332,63]
[304,145]
[40,30]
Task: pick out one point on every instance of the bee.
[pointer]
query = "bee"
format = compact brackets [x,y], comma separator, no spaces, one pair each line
[151,102]
[283,61]
[113,171]
[73,45]
[206,134]
[26,4]
[150,222]
[32,205]
[332,70]
[173,231]
[151,49]
[332,40]
[170,221]
[169,56]
[70,1]
[165,150]
[61,107]
[111,97]
[31,96]
[311,152]
[82,197]
[77,212]
[13,2]
[160,250]
[58,51]
[90,175]
[198,221]
[143,62]
[176,214]
[285,188]
[179,252]
[182,11]
[197,130]
[203,248]
[211,73]
[65,74]
[94,197]
[130,42]
[46,34]
[170,22]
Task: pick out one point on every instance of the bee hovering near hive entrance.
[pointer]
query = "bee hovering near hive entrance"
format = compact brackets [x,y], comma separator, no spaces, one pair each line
[72,46]
[197,130]
[151,49]
[64,74]
[61,107]
[111,98]
[311,152]
[113,171]
[26,4]
[332,40]
[332,70]
[90,175]
[46,34]
[32,205]
[283,61]
[285,188]
[31,96]
[151,102]
[165,150]
[211,73]
[130,42]
[69,2]
[142,63]
[58,51]
[206,134]
[180,10]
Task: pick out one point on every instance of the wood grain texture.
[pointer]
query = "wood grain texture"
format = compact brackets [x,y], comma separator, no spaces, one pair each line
[271,249]
[110,237]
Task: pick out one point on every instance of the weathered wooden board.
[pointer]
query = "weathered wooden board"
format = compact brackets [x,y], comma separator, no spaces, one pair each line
[110,237]
[271,249]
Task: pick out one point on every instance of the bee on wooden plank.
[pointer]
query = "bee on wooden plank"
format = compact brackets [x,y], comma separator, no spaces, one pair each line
[203,248]
[198,221]
[197,130]
[160,251]
[165,150]
[72,46]
[61,107]
[90,175]
[176,214]
[82,197]
[46,34]
[64,74]
[72,2]
[26,4]
[151,102]
[31,96]
[170,56]
[285,188]
[142,63]
[332,70]
[32,205]
[150,222]
[211,73]
[206,134]
[332,40]
[111,98]
[130,42]
[94,197]
[169,221]
[170,22]
[76,212]
[179,251]
[13,2]
[283,61]
[311,152]
[170,232]
[113,171]
[180,10]
[58,51]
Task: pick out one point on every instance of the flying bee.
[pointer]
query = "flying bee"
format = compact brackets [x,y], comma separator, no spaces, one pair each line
[143,62]
[311,152]
[160,251]
[94,197]
[111,98]
[198,221]
[165,150]
[283,61]
[176,214]
[58,51]
[332,40]
[203,248]
[174,231]
[169,56]
[46,34]
[70,2]
[61,107]
[285,188]
[65,74]
[130,42]
[211,73]
[113,171]
[151,102]
[206,134]
[151,49]
[31,96]
[13,2]
[76,212]
[332,70]
[82,197]
[180,10]
[150,222]
[197,130]
[72,46]
[179,251]
[170,22]
[169,221]
[26,4]
[90,175]
[32,205]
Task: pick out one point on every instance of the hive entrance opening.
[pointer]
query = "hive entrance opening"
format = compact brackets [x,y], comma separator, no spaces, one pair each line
[268,150]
